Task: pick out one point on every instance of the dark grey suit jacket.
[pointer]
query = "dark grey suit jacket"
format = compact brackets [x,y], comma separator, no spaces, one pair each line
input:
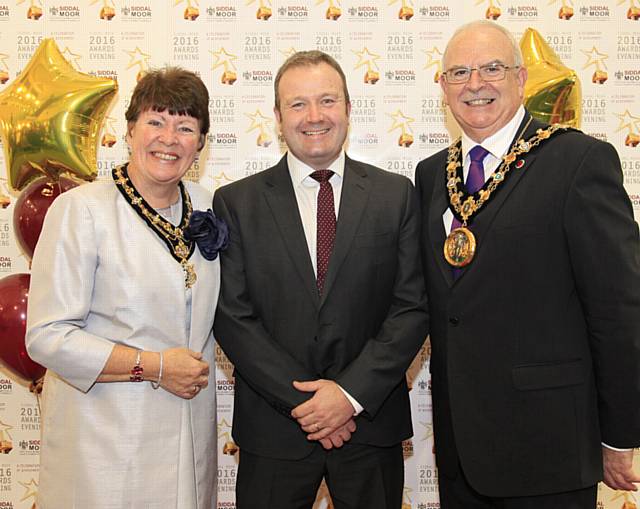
[275,328]
[536,347]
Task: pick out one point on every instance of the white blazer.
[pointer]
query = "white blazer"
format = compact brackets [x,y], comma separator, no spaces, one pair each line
[101,276]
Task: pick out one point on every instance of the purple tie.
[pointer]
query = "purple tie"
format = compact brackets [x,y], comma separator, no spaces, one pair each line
[326,225]
[475,180]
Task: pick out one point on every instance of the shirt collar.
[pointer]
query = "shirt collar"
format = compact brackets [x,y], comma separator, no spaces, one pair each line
[498,143]
[300,171]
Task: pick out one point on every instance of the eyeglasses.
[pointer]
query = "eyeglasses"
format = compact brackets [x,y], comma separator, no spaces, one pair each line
[488,73]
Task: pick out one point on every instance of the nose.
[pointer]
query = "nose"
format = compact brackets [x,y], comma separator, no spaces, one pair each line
[314,113]
[475,81]
[168,135]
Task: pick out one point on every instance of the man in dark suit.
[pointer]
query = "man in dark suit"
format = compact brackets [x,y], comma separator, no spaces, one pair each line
[321,317]
[536,334]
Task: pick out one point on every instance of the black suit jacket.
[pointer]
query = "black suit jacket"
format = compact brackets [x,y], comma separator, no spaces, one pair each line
[536,346]
[275,328]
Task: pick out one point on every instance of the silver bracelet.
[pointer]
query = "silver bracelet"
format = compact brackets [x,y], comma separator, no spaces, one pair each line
[156,385]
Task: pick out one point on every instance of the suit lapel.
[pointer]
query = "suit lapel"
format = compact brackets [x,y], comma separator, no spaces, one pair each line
[355,194]
[482,223]
[282,202]
[437,234]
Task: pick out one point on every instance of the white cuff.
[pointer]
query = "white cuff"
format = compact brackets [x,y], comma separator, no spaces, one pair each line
[607,446]
[358,408]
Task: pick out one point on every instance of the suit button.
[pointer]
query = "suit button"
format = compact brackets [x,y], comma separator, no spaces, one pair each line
[453,320]
[315,338]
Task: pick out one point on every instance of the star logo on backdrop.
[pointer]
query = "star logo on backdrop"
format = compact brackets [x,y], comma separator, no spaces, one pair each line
[31,489]
[138,58]
[4,428]
[220,180]
[428,430]
[71,57]
[286,53]
[223,58]
[628,121]
[258,121]
[224,430]
[434,57]
[401,121]
[595,58]
[366,57]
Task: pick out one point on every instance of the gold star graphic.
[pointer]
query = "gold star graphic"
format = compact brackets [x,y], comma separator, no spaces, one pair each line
[221,179]
[3,61]
[286,53]
[428,430]
[366,57]
[4,428]
[626,496]
[262,3]
[406,499]
[595,58]
[71,57]
[434,58]
[332,3]
[105,3]
[258,121]
[32,3]
[628,121]
[190,3]
[405,3]
[138,58]
[224,58]
[224,430]
[492,3]
[401,121]
[30,489]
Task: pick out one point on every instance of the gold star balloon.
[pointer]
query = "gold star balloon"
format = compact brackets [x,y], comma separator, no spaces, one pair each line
[552,93]
[50,119]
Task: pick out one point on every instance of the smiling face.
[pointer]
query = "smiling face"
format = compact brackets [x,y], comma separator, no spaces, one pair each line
[163,147]
[481,109]
[313,113]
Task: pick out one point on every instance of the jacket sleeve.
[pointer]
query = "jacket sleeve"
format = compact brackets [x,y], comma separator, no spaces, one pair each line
[605,256]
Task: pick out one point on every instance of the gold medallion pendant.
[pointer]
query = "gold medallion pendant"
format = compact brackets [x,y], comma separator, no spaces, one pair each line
[460,247]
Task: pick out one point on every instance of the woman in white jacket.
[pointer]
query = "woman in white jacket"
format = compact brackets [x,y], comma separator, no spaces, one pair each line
[124,286]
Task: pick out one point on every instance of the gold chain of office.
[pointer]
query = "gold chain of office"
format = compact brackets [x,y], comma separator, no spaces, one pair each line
[466,205]
[173,236]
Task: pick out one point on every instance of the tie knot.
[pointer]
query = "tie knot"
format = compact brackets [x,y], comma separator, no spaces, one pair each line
[478,153]
[322,175]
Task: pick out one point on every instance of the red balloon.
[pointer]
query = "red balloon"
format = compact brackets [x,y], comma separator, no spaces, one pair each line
[14,292]
[31,207]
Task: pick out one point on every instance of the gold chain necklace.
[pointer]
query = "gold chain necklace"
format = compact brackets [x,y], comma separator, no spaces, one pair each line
[173,236]
[460,244]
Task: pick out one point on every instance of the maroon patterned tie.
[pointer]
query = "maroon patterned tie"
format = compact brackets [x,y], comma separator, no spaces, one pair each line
[326,225]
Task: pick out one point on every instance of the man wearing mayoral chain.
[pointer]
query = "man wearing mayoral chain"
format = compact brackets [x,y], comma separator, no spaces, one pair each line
[322,308]
[532,264]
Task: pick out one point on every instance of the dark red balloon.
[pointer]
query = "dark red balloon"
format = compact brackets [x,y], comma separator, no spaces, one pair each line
[31,207]
[14,292]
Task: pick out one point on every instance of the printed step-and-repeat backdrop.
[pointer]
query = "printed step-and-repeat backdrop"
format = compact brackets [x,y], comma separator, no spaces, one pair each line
[391,51]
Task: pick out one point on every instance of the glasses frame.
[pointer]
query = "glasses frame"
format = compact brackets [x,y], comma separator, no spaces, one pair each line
[478,69]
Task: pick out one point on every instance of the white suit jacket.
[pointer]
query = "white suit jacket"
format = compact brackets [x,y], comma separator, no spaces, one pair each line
[101,276]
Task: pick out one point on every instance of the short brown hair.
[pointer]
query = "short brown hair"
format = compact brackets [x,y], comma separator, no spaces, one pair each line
[305,59]
[172,89]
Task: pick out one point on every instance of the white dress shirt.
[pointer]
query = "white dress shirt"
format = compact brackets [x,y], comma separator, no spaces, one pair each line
[306,190]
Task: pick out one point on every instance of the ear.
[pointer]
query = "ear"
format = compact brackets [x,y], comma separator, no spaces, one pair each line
[443,87]
[202,142]
[522,76]
[130,126]
[348,108]
[276,113]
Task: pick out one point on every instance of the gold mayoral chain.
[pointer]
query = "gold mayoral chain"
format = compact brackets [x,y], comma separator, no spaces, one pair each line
[180,248]
[460,245]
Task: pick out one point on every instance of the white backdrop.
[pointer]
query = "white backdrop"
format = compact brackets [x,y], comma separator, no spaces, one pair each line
[236,46]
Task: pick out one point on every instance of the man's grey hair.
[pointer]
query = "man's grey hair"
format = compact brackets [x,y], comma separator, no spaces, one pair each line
[483,23]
